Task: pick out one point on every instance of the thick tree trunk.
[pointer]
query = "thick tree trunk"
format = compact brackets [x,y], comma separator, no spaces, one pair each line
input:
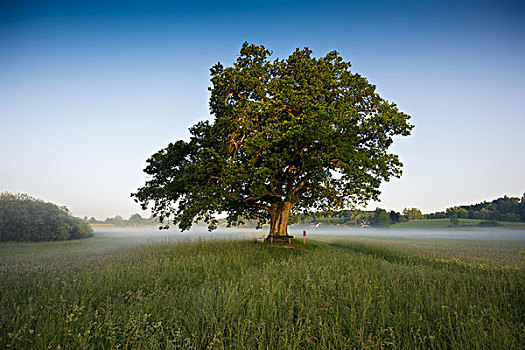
[279,213]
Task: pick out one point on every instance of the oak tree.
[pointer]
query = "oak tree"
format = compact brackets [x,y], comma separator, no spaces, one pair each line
[289,136]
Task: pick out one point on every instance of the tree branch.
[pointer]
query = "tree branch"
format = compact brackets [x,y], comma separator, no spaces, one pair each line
[259,206]
[303,182]
[322,196]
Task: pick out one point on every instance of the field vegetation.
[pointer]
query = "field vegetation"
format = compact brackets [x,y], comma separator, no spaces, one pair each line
[507,253]
[350,293]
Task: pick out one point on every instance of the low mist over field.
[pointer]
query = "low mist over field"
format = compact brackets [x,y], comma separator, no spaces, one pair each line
[495,246]
[495,234]
[138,235]
[133,235]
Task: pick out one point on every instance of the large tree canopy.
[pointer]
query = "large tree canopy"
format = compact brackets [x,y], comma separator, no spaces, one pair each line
[289,135]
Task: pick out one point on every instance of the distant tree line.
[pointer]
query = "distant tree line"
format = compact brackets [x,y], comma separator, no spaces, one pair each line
[502,209]
[509,209]
[375,218]
[134,220]
[23,218]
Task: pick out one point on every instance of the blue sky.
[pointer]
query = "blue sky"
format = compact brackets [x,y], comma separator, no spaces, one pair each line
[90,89]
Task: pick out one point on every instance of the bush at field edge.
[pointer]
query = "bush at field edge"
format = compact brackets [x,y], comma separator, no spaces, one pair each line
[23,218]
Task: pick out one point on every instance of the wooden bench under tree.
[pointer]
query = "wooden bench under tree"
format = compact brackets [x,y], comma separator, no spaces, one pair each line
[278,238]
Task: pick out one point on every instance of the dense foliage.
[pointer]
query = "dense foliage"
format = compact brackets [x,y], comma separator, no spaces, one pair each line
[23,218]
[289,136]
[502,209]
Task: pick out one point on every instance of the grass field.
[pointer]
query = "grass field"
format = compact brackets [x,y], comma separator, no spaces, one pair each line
[491,253]
[347,293]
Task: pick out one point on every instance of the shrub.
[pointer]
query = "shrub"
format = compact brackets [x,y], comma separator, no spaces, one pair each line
[23,218]
[490,223]
[454,221]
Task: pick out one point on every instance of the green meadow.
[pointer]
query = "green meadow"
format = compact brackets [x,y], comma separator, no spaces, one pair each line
[339,293]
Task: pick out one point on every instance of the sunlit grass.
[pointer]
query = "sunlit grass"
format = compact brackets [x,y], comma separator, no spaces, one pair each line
[240,294]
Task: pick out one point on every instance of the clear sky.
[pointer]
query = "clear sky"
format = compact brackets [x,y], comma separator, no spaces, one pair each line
[90,89]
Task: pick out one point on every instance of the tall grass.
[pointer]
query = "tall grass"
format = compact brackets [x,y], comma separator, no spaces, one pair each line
[489,253]
[239,294]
